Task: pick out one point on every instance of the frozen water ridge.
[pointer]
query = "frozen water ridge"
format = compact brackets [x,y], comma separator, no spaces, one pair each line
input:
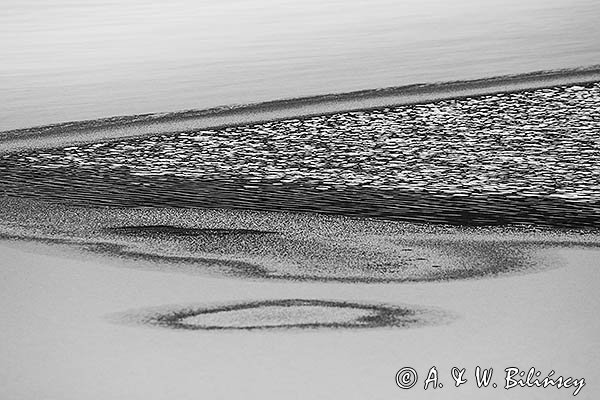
[531,156]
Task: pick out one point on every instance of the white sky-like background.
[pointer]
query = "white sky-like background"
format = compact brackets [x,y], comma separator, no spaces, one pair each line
[72,60]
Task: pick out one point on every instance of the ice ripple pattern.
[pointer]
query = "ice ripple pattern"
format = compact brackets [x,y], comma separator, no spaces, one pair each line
[544,142]
[530,157]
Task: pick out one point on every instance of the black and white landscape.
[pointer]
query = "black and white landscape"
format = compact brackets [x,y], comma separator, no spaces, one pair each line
[256,199]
